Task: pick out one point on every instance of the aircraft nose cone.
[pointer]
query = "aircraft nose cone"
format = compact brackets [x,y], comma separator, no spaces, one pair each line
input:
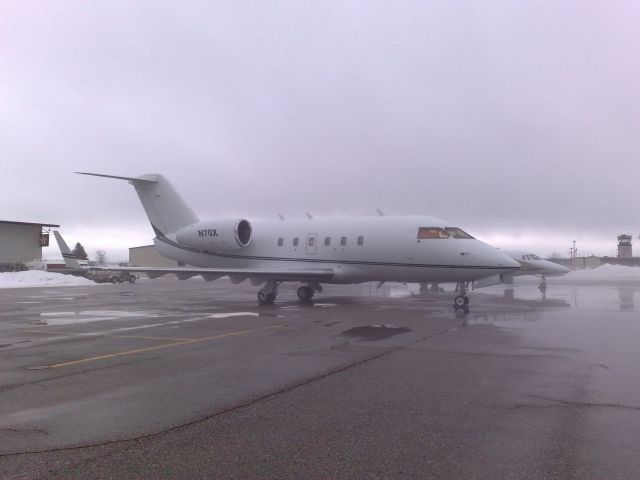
[499,259]
[509,262]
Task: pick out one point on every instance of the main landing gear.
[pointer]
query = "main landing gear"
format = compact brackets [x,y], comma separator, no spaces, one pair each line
[268,293]
[305,293]
[461,302]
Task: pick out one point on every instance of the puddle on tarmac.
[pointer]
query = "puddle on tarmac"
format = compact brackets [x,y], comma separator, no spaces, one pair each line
[234,314]
[86,316]
[374,333]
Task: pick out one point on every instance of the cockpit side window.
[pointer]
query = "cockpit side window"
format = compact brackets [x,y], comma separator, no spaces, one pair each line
[455,232]
[425,233]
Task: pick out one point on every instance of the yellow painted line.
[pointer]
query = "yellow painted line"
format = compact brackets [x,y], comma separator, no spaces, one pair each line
[104,335]
[46,332]
[157,347]
[151,338]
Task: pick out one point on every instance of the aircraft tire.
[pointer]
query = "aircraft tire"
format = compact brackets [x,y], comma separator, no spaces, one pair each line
[265,299]
[132,278]
[113,279]
[459,301]
[305,294]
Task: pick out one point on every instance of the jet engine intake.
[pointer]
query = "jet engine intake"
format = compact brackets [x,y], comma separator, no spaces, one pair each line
[216,235]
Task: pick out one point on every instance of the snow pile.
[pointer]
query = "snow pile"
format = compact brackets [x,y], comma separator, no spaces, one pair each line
[606,272]
[40,278]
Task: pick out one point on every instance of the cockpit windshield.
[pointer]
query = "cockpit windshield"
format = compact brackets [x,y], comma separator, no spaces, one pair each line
[431,232]
[531,256]
[438,232]
[457,233]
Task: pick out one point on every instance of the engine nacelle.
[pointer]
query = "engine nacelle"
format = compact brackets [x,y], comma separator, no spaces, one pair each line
[216,235]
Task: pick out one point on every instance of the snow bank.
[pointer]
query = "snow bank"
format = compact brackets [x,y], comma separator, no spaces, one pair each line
[606,272]
[40,278]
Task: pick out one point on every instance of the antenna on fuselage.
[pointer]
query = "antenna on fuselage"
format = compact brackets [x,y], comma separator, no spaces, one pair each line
[380,212]
[281,217]
[309,216]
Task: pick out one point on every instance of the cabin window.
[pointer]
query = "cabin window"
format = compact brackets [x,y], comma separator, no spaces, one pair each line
[361,240]
[280,241]
[327,241]
[296,241]
[343,241]
[431,232]
[312,241]
[457,233]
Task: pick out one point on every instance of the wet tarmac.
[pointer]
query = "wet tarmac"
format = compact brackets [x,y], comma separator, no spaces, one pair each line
[171,379]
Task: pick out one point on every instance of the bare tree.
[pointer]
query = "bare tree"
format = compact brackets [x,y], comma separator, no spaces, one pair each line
[101,257]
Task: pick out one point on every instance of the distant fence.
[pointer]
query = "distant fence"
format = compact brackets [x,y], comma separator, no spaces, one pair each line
[629,262]
[593,262]
[12,267]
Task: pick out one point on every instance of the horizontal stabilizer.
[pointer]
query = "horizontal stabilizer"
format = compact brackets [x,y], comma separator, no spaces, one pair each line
[166,210]
[131,179]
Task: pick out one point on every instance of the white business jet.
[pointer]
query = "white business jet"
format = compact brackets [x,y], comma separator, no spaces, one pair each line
[315,251]
[532,264]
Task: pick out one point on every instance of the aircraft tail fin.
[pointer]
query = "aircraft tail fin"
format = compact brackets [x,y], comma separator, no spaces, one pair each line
[164,207]
[70,260]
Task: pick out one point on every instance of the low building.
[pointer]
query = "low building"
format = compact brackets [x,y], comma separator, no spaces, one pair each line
[22,242]
[148,256]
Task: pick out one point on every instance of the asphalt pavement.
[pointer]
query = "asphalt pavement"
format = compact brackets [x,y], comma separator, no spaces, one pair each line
[191,379]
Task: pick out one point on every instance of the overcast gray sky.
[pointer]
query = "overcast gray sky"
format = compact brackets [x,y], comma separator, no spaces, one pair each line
[518,121]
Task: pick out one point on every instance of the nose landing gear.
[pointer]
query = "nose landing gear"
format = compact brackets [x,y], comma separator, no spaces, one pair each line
[461,302]
[543,285]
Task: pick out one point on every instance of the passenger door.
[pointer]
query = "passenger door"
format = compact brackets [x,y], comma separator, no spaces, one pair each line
[312,243]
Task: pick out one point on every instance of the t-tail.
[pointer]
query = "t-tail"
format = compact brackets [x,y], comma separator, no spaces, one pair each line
[164,207]
[70,260]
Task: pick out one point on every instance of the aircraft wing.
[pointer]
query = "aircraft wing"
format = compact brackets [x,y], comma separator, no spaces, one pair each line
[237,275]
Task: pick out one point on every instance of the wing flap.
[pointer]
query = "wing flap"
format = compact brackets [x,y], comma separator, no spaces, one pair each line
[235,274]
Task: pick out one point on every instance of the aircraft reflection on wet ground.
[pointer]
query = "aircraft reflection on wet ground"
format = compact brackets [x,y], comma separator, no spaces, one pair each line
[514,300]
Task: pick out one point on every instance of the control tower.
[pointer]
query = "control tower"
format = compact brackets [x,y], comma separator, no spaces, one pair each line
[624,246]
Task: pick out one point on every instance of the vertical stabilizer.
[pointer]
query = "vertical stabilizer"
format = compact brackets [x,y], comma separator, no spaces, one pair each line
[164,207]
[70,259]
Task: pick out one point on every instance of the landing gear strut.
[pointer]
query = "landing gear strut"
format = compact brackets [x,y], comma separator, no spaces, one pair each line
[461,302]
[543,285]
[268,293]
[543,288]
